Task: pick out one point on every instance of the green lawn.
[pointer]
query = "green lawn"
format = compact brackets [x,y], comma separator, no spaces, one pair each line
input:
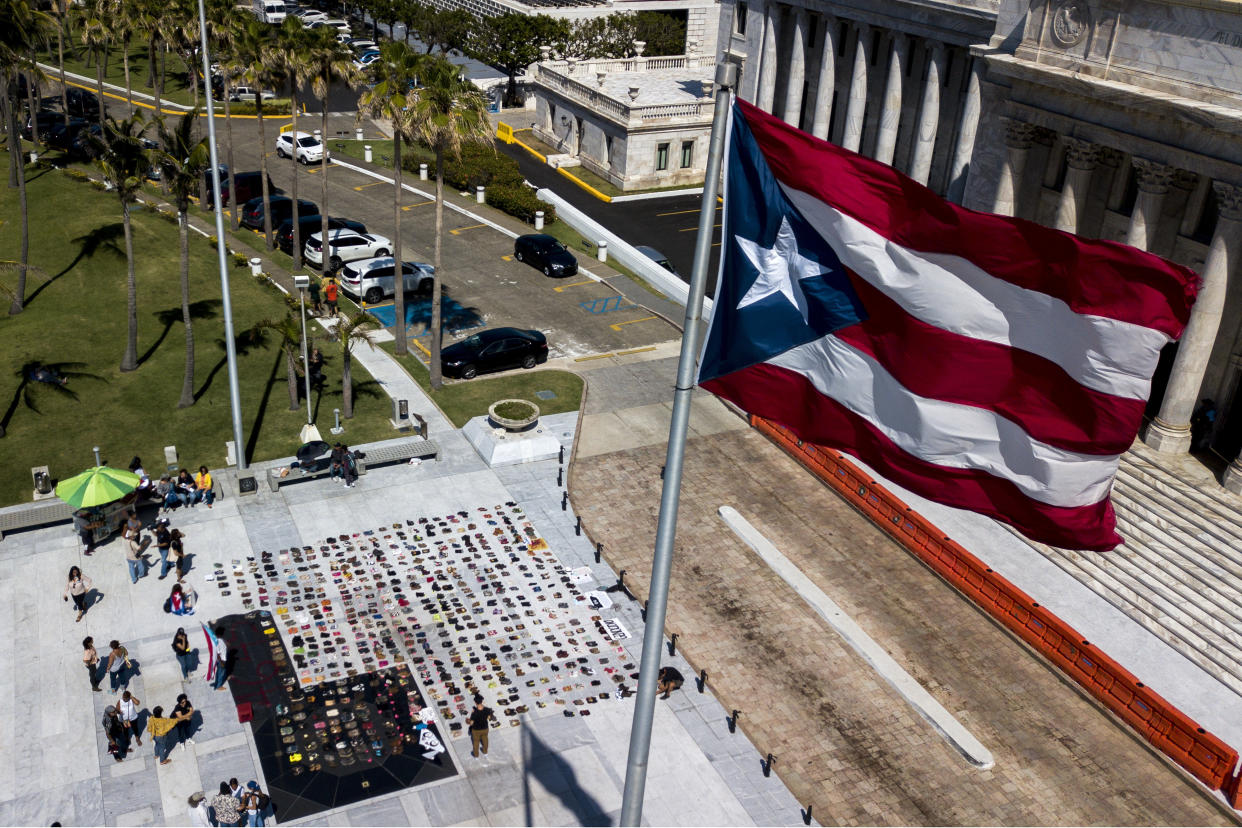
[176,75]
[462,400]
[381,152]
[76,315]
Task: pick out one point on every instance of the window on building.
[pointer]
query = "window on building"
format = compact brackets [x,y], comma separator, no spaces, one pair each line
[661,157]
[687,154]
[739,18]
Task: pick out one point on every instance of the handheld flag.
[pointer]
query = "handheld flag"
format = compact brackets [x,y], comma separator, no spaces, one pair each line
[213,646]
[983,362]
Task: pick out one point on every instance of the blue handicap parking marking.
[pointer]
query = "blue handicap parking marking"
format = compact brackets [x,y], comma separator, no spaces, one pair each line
[606,305]
[454,315]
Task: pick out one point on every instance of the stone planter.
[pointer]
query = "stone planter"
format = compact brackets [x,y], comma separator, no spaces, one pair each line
[513,415]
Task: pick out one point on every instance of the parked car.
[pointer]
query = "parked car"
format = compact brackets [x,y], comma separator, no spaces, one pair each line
[310,16]
[345,246]
[246,94]
[362,44]
[45,119]
[366,59]
[282,208]
[61,136]
[545,253]
[497,349]
[312,224]
[371,279]
[249,185]
[307,148]
[657,257]
[334,22]
[82,103]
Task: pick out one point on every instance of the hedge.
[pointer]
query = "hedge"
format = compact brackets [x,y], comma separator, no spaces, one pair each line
[481,165]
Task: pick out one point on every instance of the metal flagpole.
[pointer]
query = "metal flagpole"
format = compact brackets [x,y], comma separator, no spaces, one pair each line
[661,565]
[230,347]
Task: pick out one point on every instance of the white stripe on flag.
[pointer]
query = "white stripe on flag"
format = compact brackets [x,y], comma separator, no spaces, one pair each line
[948,434]
[1105,355]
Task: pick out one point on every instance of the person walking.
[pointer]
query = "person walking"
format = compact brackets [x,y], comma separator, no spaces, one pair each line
[163,542]
[128,707]
[159,726]
[133,526]
[349,465]
[203,483]
[181,648]
[329,293]
[176,546]
[134,559]
[183,712]
[118,665]
[256,803]
[77,587]
[479,724]
[222,661]
[316,300]
[90,657]
[225,806]
[115,731]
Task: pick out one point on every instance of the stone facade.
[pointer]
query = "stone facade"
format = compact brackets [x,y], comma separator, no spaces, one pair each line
[1116,121]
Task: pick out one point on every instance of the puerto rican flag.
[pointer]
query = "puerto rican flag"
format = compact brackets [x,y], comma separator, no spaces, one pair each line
[984,362]
[213,647]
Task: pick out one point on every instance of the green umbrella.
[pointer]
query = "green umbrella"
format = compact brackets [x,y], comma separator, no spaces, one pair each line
[97,486]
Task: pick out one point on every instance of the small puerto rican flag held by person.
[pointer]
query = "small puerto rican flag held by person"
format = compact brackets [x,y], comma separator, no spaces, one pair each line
[983,362]
[213,647]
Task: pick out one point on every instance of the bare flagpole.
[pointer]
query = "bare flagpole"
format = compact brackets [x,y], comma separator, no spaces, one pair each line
[666,530]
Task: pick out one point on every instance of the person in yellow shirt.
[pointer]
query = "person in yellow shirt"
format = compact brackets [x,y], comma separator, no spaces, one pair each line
[203,481]
[159,726]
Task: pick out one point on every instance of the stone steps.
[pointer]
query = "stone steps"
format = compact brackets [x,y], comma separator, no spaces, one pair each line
[1179,573]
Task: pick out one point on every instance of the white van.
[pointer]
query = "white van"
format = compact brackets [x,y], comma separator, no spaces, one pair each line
[269,11]
[371,279]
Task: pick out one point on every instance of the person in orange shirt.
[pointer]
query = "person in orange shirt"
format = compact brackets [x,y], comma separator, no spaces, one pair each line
[329,294]
[203,481]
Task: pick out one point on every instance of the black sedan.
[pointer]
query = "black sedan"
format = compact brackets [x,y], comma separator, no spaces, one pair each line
[282,209]
[545,253]
[312,224]
[496,349]
[82,103]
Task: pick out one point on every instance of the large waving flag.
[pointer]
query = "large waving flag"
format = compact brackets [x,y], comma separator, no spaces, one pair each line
[213,647]
[984,362]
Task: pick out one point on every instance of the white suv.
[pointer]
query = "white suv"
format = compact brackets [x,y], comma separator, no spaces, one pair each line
[371,280]
[346,245]
[309,149]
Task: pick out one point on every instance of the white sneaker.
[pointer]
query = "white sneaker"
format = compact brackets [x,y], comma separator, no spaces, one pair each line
[188,742]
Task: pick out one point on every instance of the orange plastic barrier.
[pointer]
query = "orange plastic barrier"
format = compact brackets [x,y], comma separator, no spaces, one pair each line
[1202,754]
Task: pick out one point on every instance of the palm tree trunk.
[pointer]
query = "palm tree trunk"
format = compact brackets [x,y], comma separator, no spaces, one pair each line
[267,197]
[129,90]
[437,379]
[159,80]
[130,361]
[183,231]
[323,172]
[398,273]
[15,151]
[151,64]
[291,368]
[347,384]
[8,109]
[297,229]
[99,76]
[34,125]
[60,58]
[235,219]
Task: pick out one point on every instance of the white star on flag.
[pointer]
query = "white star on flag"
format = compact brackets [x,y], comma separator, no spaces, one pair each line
[782,267]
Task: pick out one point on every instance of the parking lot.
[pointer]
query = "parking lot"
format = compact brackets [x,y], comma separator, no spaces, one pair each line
[482,283]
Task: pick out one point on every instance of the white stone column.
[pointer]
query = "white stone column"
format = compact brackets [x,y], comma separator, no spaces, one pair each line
[1195,203]
[851,139]
[822,117]
[797,70]
[929,114]
[767,68]
[1153,182]
[1170,431]
[969,125]
[1080,158]
[1018,137]
[890,112]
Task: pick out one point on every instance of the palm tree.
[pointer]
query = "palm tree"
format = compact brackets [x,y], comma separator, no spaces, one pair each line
[291,55]
[351,330]
[255,55]
[181,164]
[95,36]
[326,59]
[396,72]
[446,112]
[124,161]
[20,29]
[60,11]
[223,24]
[289,330]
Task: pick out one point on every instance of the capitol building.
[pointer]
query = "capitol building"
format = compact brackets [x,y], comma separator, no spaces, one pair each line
[1110,120]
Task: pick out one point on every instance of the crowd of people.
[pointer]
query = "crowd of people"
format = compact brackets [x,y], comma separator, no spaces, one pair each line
[233,805]
[184,490]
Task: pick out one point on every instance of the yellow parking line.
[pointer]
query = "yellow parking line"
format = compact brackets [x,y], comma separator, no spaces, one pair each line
[371,184]
[617,325]
[458,231]
[420,204]
[692,229]
[636,351]
[561,288]
[507,258]
[589,358]
[678,212]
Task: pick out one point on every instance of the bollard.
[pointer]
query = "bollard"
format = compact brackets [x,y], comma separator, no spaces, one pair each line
[478,195]
[732,720]
[336,428]
[256,267]
[578,527]
[767,765]
[564,501]
[366,153]
[539,219]
[806,814]
[422,172]
[560,476]
[643,612]
[672,644]
[701,681]
[318,136]
[561,456]
[599,550]
[601,250]
[661,472]
[358,133]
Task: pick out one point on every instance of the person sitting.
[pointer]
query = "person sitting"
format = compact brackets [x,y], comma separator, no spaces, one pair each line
[42,373]
[144,482]
[186,487]
[202,482]
[670,679]
[181,600]
[167,493]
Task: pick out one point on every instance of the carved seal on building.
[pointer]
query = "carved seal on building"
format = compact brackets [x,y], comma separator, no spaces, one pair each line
[1070,22]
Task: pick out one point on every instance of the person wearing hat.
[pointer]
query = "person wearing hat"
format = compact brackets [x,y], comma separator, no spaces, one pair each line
[255,802]
[115,731]
[200,817]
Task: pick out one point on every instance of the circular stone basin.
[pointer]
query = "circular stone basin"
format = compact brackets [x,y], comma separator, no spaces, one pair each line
[513,415]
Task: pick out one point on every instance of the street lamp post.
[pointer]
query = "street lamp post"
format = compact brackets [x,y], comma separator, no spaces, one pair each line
[309,432]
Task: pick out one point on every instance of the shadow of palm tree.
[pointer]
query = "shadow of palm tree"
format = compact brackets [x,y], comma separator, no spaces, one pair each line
[29,389]
[102,239]
[202,309]
[253,441]
[243,342]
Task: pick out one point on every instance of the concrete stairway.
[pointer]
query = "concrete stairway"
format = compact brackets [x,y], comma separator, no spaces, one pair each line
[1179,573]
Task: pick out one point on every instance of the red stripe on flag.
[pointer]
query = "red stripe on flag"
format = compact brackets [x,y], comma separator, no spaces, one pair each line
[1027,389]
[790,399]
[1091,276]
